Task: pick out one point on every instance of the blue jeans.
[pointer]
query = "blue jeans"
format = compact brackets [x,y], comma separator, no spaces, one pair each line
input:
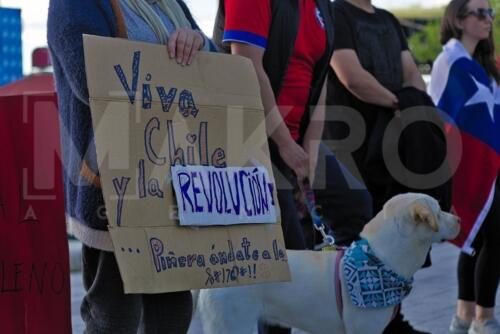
[107,309]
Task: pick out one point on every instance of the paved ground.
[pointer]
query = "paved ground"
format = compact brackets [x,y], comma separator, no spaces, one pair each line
[429,307]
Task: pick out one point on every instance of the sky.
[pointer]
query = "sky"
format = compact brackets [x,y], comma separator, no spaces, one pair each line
[34,16]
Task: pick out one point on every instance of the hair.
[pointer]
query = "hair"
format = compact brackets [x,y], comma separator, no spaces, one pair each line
[485,49]
[170,8]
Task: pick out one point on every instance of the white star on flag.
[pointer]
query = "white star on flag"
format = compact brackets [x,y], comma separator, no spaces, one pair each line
[483,95]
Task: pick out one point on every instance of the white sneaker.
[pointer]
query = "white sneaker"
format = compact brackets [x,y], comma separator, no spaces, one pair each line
[459,326]
[489,327]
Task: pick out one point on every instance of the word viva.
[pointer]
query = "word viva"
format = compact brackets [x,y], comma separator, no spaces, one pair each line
[187,106]
[196,142]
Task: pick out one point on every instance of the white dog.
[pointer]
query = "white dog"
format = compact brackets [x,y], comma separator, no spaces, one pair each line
[400,236]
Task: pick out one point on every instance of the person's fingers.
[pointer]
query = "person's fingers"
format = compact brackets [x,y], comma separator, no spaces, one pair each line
[297,159]
[188,48]
[304,171]
[172,42]
[305,163]
[197,45]
[303,156]
[300,168]
[193,52]
[301,173]
[181,42]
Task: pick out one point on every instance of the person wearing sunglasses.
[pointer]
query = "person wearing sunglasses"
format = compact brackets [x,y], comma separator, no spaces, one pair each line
[482,14]
[467,65]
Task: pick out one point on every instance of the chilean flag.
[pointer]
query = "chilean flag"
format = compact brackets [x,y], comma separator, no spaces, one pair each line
[462,89]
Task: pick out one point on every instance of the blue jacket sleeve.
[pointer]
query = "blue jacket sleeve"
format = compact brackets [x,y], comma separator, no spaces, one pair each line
[67,21]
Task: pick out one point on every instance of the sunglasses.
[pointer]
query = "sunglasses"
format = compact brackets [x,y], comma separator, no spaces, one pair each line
[482,13]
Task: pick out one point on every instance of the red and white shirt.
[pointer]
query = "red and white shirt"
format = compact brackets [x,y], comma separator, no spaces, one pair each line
[249,21]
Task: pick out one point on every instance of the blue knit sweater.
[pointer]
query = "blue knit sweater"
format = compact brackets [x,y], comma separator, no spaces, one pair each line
[67,21]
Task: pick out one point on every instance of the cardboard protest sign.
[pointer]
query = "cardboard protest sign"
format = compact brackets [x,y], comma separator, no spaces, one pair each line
[223,196]
[150,114]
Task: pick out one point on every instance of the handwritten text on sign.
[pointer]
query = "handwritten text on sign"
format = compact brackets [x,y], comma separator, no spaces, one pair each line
[223,196]
[225,264]
[149,115]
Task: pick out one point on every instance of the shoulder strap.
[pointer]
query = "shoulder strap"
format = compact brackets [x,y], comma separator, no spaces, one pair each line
[280,42]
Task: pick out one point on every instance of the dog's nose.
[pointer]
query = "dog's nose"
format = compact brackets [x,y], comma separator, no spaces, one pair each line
[459,221]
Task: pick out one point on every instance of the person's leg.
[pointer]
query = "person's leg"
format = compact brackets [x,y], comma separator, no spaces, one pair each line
[478,275]
[464,315]
[466,277]
[105,307]
[166,313]
[487,274]
[466,282]
[346,204]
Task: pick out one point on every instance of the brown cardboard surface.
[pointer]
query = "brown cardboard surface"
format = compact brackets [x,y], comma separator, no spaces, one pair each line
[210,114]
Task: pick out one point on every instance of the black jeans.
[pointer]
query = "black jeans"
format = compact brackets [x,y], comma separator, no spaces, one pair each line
[107,309]
[478,275]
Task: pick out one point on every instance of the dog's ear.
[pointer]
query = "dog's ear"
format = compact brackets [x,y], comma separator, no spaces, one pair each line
[421,213]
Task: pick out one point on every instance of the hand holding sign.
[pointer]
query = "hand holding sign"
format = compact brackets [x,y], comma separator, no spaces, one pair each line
[183,45]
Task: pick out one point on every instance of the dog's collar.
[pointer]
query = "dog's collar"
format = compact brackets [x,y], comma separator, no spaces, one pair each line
[370,283]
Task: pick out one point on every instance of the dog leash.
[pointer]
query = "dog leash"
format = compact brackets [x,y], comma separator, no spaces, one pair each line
[310,199]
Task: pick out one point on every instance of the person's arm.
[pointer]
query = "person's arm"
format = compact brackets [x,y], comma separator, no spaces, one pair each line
[360,82]
[65,27]
[411,74]
[314,133]
[292,153]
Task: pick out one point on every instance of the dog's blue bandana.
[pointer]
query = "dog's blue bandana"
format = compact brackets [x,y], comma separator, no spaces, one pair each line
[370,283]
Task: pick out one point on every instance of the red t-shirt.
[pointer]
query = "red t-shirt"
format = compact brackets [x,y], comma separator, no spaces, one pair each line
[248,21]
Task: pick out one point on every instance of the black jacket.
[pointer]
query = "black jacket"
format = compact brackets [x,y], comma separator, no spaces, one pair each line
[421,148]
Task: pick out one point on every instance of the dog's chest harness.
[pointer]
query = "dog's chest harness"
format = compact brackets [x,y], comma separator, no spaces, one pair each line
[370,283]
